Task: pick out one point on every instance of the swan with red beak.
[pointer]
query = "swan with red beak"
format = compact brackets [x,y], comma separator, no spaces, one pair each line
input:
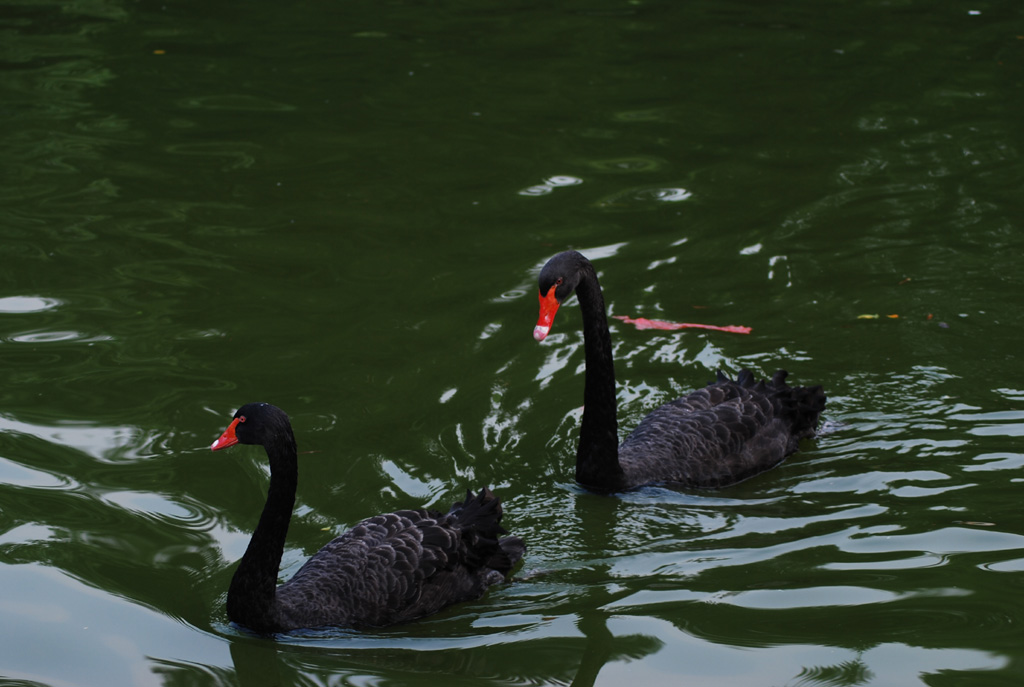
[722,434]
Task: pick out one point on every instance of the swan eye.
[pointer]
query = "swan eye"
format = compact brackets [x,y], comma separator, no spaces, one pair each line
[558,282]
[241,418]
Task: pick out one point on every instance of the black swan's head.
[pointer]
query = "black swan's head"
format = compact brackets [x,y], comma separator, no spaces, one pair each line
[558,279]
[255,423]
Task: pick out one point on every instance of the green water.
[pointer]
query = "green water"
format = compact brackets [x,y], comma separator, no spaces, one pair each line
[340,207]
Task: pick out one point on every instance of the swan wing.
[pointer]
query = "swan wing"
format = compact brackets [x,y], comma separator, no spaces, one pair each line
[721,434]
[399,566]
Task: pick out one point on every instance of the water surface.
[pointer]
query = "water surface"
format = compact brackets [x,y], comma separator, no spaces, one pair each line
[341,209]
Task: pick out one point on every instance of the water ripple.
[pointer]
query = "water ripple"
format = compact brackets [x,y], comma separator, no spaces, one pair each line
[638,198]
[550,184]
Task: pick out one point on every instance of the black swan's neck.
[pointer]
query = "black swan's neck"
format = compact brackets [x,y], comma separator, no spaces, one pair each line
[597,458]
[254,585]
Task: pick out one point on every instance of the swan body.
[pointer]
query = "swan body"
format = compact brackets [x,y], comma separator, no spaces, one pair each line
[387,569]
[716,436]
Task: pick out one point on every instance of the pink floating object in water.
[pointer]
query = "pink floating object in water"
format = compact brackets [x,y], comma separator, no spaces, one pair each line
[644,323]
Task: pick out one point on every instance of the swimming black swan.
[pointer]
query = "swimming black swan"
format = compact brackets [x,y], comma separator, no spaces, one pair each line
[714,437]
[387,569]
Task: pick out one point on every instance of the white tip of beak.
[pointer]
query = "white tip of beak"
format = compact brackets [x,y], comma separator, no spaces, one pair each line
[540,332]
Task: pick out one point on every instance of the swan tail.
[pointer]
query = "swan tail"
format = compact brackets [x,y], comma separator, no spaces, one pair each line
[481,511]
[510,551]
[478,518]
[800,405]
[746,379]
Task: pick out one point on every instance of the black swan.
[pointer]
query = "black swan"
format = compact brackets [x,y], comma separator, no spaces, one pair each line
[714,437]
[387,569]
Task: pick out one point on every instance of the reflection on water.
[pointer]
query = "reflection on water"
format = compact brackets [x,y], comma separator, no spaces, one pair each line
[549,185]
[871,521]
[202,207]
[98,442]
[27,304]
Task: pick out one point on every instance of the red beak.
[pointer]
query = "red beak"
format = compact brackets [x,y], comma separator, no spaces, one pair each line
[228,438]
[548,307]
